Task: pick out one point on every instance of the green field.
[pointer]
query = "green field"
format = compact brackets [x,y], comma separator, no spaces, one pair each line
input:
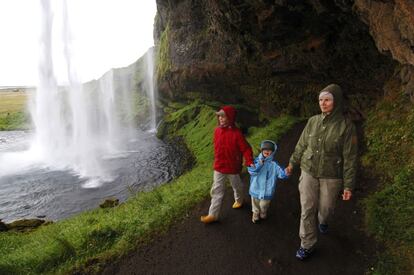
[11,102]
[13,110]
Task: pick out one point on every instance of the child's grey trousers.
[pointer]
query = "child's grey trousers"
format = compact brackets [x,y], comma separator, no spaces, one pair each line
[218,189]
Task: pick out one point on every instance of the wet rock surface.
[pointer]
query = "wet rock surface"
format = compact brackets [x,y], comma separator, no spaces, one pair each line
[270,55]
[25,225]
[3,226]
[109,203]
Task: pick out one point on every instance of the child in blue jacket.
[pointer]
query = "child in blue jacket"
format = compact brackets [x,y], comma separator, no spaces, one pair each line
[263,179]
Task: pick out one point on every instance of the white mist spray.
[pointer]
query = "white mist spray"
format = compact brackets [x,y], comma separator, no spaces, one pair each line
[75,128]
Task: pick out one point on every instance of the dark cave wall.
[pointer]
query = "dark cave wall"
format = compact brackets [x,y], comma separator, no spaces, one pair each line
[271,56]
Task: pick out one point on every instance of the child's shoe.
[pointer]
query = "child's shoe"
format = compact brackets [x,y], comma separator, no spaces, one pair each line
[263,215]
[255,217]
[237,205]
[208,219]
[303,253]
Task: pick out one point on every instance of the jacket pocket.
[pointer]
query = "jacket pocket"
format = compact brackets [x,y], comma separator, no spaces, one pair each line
[331,145]
[331,167]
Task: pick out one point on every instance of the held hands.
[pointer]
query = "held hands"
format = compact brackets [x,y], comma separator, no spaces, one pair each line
[289,170]
[346,196]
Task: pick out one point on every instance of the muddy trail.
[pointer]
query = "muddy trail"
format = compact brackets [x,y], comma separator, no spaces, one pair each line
[237,246]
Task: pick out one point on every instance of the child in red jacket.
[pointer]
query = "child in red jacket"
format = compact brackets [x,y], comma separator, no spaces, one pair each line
[230,147]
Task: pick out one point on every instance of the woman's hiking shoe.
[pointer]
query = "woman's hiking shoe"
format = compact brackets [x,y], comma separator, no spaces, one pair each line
[237,205]
[255,217]
[208,219]
[303,253]
[323,228]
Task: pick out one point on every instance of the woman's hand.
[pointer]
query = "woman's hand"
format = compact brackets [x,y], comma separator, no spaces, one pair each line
[346,196]
[289,170]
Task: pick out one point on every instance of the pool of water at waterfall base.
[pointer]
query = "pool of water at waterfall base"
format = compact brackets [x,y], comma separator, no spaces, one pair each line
[34,190]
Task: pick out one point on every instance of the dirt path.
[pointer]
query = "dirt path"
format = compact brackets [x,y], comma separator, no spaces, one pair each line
[237,246]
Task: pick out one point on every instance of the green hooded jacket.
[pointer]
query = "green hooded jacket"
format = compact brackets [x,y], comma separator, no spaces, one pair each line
[327,147]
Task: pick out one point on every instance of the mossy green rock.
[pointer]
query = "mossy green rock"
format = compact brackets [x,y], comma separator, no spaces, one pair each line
[25,225]
[3,226]
[176,120]
[109,202]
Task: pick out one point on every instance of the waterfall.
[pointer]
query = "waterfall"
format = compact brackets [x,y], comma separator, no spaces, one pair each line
[75,127]
[151,88]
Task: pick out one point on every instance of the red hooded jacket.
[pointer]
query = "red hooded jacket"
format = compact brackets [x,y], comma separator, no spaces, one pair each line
[230,146]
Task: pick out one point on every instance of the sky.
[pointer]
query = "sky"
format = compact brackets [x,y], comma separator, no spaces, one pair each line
[105,34]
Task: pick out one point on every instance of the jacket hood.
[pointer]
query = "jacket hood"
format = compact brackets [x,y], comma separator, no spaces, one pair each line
[230,114]
[336,91]
[274,151]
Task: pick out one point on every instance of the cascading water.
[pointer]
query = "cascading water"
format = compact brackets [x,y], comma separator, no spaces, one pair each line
[151,88]
[75,127]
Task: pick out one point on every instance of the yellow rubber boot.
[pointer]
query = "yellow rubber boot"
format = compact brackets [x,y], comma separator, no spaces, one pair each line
[208,219]
[237,205]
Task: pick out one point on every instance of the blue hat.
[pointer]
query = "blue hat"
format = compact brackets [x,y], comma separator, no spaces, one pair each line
[268,145]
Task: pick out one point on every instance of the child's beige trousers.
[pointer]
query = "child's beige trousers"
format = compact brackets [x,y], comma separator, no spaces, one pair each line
[218,189]
[260,206]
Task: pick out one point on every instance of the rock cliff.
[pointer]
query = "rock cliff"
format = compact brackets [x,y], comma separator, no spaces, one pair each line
[274,56]
[391,24]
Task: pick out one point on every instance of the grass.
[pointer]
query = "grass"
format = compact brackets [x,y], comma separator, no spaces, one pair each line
[273,131]
[389,217]
[87,241]
[389,211]
[11,102]
[13,113]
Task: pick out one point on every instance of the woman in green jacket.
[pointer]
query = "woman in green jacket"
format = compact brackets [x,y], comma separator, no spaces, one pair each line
[327,155]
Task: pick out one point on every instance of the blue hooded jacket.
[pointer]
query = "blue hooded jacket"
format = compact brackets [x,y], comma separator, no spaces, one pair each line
[264,175]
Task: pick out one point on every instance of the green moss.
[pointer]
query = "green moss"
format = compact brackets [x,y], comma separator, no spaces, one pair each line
[390,136]
[141,108]
[390,211]
[163,63]
[276,96]
[174,121]
[390,155]
[273,131]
